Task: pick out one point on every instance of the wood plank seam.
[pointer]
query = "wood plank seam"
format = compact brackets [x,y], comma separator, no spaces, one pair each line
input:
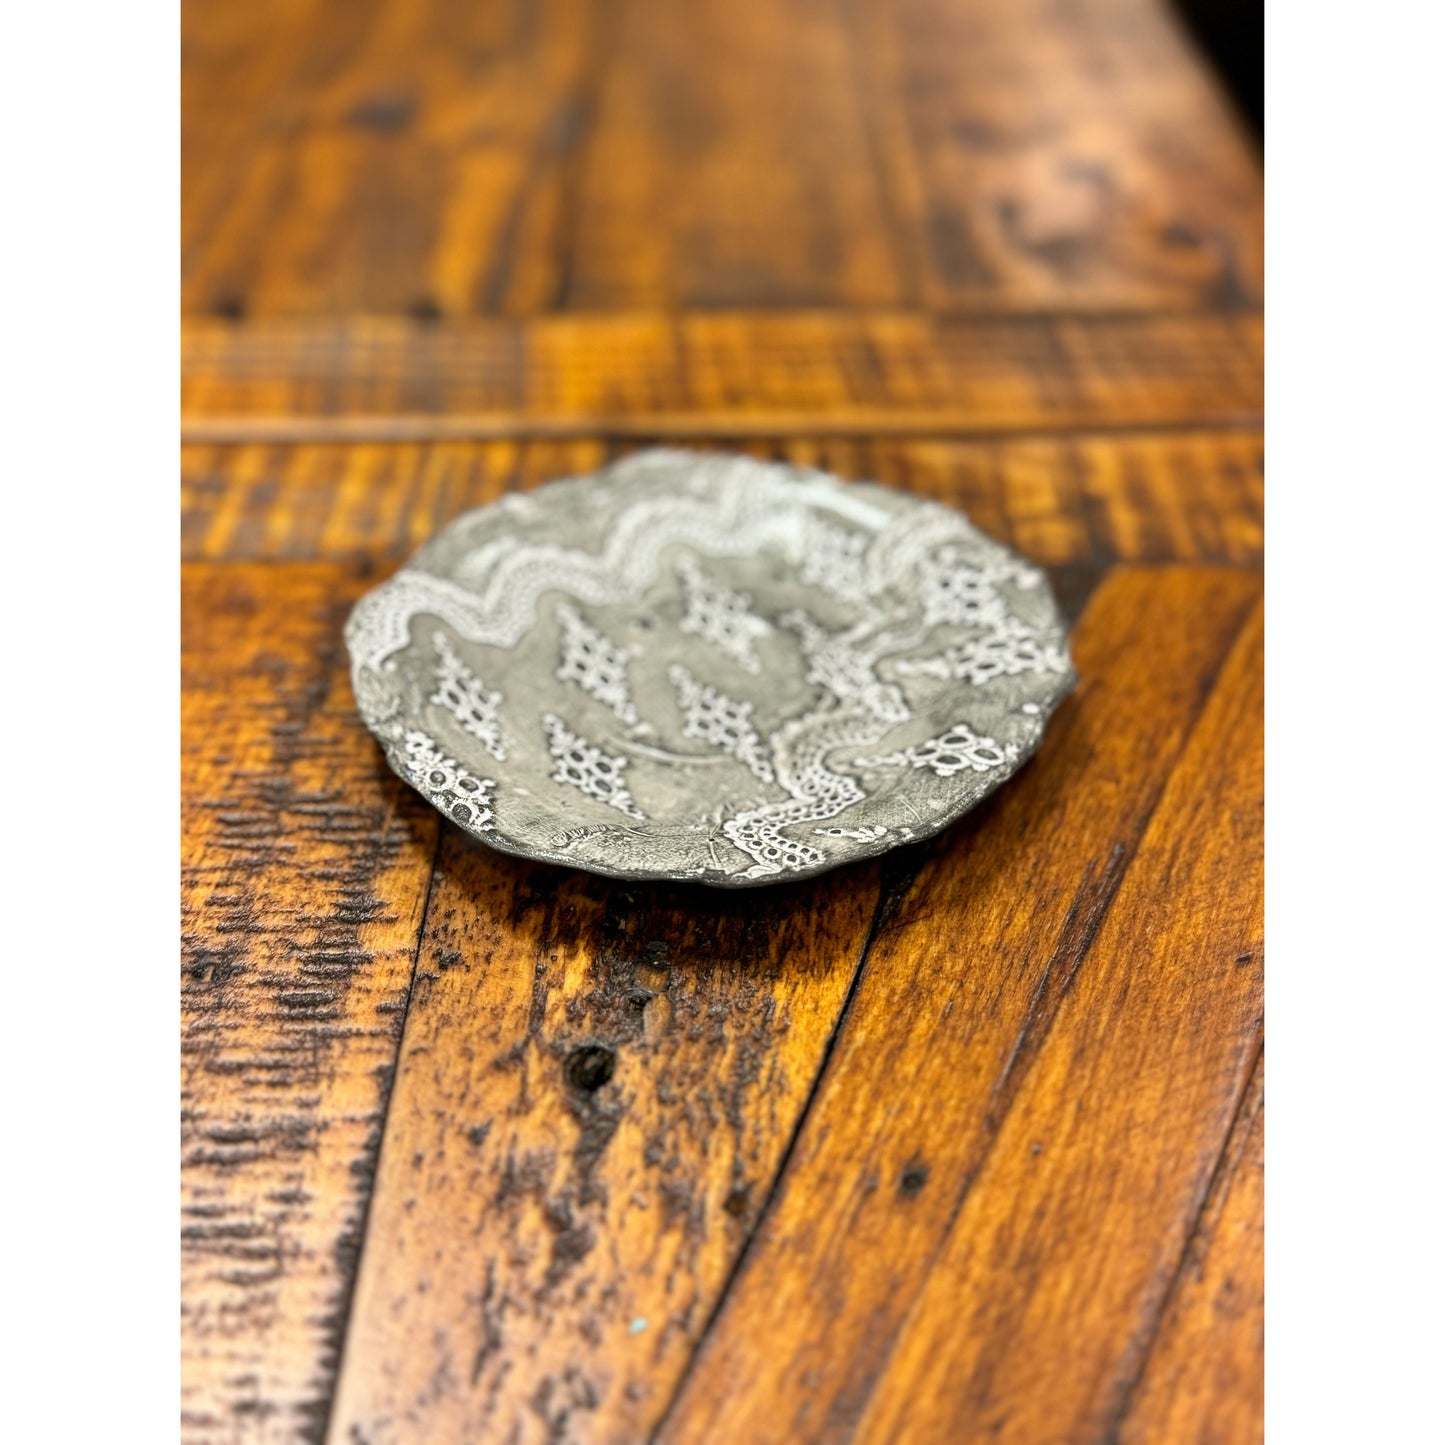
[1076,938]
[899,871]
[1094,918]
[344,1313]
[939,311]
[1205,693]
[289,430]
[1241,1120]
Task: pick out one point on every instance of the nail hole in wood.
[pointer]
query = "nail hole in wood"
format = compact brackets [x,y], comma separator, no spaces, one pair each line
[385,112]
[911,1183]
[589,1067]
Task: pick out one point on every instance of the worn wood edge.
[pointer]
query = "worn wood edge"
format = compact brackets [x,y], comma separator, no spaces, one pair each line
[731,374]
[287,430]
[291,1015]
[1167,1380]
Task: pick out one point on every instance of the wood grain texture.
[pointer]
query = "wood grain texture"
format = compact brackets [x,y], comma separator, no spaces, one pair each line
[305,872]
[460,159]
[1196,496]
[597,1083]
[722,375]
[951,1100]
[377,157]
[962,154]
[963,1144]
[541,1259]
[569,1173]
[1129,1102]
[1203,1380]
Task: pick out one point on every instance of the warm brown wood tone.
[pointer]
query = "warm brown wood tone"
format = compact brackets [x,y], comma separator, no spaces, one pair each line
[988,969]
[1162,1021]
[547,1357]
[700,376]
[1204,1378]
[469,159]
[305,875]
[552,1249]
[1084,499]
[962,1144]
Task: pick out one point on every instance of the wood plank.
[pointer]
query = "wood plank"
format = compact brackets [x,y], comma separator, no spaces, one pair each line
[597,1083]
[305,871]
[971,995]
[453,159]
[381,156]
[730,163]
[729,375]
[1050,1286]
[1063,501]
[1203,1380]
[1060,155]
[1005,255]
[963,154]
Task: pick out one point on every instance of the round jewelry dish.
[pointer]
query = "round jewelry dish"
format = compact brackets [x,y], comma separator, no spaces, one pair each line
[703,667]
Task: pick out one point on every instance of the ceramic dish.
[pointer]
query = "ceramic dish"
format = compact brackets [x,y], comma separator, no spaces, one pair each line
[704,667]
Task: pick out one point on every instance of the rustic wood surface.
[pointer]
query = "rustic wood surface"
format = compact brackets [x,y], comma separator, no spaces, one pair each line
[451,159]
[963,1143]
[735,375]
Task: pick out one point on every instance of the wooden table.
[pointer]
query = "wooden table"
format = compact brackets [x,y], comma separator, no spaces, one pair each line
[960,1145]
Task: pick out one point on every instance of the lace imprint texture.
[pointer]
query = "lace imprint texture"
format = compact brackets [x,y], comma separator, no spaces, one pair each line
[466,697]
[707,667]
[578,764]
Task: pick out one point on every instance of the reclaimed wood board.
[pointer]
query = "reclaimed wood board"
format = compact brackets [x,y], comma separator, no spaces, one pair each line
[578,1319]
[305,874]
[734,375]
[572,155]
[962,1143]
[1082,500]
[982,1163]
[711,1036]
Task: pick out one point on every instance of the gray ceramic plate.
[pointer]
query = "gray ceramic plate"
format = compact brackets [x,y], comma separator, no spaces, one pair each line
[703,667]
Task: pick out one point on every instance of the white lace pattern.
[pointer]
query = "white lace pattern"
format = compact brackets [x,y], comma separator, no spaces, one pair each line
[458,793]
[581,765]
[595,663]
[951,752]
[709,610]
[467,698]
[721,616]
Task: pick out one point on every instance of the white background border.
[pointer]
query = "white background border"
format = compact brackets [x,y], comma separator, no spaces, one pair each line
[89,115]
[1354,856]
